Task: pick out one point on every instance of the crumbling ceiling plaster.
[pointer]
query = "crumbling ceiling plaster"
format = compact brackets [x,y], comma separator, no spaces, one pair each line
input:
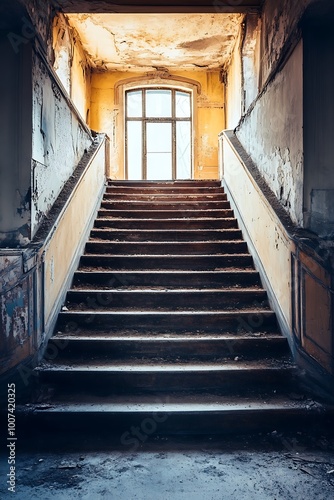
[140,42]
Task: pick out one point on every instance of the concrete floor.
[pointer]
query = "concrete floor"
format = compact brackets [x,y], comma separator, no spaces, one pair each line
[275,468]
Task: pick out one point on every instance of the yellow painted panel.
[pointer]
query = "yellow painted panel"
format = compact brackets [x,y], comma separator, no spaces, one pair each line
[265,230]
[61,249]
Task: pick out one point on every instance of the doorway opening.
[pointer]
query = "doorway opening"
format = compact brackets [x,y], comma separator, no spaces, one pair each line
[158,134]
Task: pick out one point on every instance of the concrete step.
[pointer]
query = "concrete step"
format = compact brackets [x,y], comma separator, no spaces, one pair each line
[165,224]
[175,346]
[166,247]
[107,378]
[133,235]
[136,196]
[170,189]
[238,320]
[168,183]
[166,214]
[165,262]
[185,279]
[164,205]
[132,420]
[166,300]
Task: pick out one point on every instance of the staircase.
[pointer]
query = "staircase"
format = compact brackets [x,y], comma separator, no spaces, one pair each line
[166,328]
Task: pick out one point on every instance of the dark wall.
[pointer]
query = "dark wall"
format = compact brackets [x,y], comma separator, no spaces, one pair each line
[16,128]
[318,39]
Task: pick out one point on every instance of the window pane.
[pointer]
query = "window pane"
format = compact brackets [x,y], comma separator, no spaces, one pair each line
[159,166]
[183,150]
[158,103]
[182,103]
[134,104]
[159,151]
[134,150]
[159,137]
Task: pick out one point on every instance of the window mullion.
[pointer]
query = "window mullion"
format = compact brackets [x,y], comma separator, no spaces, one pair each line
[144,145]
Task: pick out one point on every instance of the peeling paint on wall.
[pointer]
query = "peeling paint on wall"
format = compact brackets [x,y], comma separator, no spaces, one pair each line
[71,64]
[273,136]
[59,141]
[15,311]
[280,20]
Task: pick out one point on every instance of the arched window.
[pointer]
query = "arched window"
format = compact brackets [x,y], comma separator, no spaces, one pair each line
[158,133]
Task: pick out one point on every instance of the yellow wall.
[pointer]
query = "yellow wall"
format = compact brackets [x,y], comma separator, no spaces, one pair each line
[234,88]
[71,64]
[80,81]
[210,120]
[265,230]
[62,247]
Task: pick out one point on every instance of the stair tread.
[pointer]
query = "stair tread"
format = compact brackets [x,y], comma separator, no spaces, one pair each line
[163,290]
[169,255]
[173,403]
[265,332]
[178,219]
[184,337]
[238,241]
[82,271]
[154,210]
[159,366]
[185,230]
[141,312]
[165,202]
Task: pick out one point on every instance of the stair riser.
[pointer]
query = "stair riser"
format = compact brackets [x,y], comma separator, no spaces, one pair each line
[180,207]
[169,190]
[191,348]
[165,300]
[132,429]
[199,263]
[145,236]
[232,382]
[165,214]
[175,198]
[240,321]
[176,183]
[180,280]
[178,224]
[163,248]
[165,206]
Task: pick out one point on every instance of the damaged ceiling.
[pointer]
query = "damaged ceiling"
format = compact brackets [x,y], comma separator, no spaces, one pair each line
[142,42]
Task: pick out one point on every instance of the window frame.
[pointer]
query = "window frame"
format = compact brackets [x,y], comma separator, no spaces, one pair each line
[173,119]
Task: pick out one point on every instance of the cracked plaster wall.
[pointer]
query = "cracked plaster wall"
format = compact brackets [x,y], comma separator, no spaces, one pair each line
[234,87]
[71,64]
[273,136]
[271,126]
[59,141]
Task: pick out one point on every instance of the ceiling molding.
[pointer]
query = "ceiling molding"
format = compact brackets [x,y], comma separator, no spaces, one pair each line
[152,6]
